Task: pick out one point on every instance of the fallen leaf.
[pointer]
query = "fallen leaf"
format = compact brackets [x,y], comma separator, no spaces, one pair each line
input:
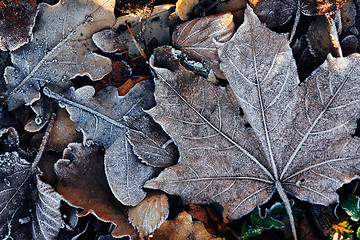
[61,48]
[196,38]
[25,212]
[208,216]
[236,7]
[305,132]
[149,143]
[182,228]
[143,29]
[323,38]
[17,19]
[184,8]
[125,173]
[100,116]
[276,13]
[82,183]
[48,215]
[150,213]
[63,132]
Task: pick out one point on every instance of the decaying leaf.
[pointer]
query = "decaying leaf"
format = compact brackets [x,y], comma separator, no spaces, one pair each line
[17,19]
[276,13]
[150,213]
[236,7]
[82,183]
[323,38]
[149,143]
[196,38]
[300,140]
[63,132]
[125,173]
[182,228]
[144,29]
[24,210]
[61,49]
[184,8]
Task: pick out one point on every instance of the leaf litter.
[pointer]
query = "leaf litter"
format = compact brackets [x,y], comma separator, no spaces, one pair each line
[300,141]
[267,122]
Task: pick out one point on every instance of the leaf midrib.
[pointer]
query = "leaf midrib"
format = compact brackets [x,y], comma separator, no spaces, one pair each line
[218,130]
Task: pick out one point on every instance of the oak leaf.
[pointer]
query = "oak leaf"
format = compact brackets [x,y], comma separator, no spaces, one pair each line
[196,38]
[101,119]
[300,140]
[61,49]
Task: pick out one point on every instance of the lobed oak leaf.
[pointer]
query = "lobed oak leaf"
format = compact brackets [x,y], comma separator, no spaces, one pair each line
[82,183]
[306,147]
[101,119]
[100,116]
[150,213]
[61,49]
[17,19]
[197,39]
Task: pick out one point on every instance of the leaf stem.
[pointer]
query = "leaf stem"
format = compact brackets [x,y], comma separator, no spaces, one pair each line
[43,143]
[287,204]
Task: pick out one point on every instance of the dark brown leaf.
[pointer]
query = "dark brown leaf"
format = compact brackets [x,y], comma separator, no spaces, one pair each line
[82,182]
[17,19]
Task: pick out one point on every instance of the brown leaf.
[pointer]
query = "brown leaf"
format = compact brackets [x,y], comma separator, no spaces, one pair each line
[323,38]
[306,147]
[208,216]
[150,213]
[182,228]
[82,183]
[196,38]
[120,73]
[63,132]
[276,13]
[236,7]
[184,8]
[17,19]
